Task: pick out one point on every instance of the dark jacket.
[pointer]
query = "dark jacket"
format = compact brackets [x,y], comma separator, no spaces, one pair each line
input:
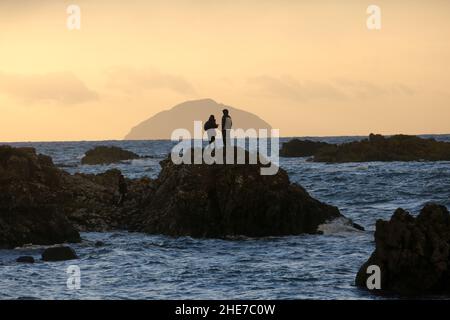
[210,124]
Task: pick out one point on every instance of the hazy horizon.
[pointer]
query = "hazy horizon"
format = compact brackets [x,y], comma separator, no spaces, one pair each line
[309,68]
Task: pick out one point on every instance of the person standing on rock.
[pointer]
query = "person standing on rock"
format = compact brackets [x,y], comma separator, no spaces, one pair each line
[210,128]
[226,127]
[122,190]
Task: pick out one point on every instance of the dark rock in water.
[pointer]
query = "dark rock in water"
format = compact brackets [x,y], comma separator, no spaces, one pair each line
[301,148]
[227,200]
[29,184]
[60,253]
[413,254]
[358,226]
[25,259]
[379,148]
[106,155]
[99,243]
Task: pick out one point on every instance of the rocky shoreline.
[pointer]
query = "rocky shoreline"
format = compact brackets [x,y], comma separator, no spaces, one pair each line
[42,204]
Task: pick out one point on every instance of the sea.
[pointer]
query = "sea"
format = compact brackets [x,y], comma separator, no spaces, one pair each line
[143,266]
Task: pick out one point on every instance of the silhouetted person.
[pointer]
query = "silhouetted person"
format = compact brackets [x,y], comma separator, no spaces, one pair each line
[226,126]
[122,190]
[210,128]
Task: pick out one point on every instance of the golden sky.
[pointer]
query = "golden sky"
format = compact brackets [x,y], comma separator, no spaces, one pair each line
[306,67]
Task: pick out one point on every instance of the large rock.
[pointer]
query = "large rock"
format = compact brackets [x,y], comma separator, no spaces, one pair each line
[301,148]
[413,253]
[106,155]
[59,253]
[29,213]
[379,148]
[42,204]
[228,200]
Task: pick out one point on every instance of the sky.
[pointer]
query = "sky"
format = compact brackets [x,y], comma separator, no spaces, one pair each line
[309,68]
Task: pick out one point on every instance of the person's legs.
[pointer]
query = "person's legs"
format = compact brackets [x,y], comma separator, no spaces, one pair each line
[224,137]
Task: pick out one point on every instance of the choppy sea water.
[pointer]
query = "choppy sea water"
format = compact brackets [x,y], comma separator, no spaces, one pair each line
[140,266]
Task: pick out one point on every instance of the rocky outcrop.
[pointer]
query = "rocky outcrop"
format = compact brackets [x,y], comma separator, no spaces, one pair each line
[90,201]
[413,254]
[106,155]
[59,253]
[227,200]
[301,148]
[29,213]
[379,148]
[41,204]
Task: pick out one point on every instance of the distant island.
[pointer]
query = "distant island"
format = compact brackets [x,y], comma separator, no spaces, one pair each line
[183,115]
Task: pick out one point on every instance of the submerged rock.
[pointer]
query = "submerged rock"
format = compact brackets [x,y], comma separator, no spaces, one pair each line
[226,200]
[29,185]
[106,155]
[301,148]
[413,254]
[379,148]
[99,243]
[25,259]
[60,253]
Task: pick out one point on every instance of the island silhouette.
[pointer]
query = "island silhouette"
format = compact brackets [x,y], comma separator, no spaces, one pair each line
[183,115]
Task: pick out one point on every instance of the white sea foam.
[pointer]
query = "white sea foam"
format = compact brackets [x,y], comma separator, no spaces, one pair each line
[339,225]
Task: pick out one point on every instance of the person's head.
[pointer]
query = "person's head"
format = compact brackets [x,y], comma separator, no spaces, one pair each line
[211,118]
[225,112]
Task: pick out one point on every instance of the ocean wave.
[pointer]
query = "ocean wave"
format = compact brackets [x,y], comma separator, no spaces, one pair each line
[336,226]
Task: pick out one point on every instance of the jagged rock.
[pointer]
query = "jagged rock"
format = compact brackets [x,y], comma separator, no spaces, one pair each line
[226,200]
[91,201]
[25,259]
[106,155]
[379,148]
[301,148]
[29,184]
[60,253]
[42,204]
[413,253]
